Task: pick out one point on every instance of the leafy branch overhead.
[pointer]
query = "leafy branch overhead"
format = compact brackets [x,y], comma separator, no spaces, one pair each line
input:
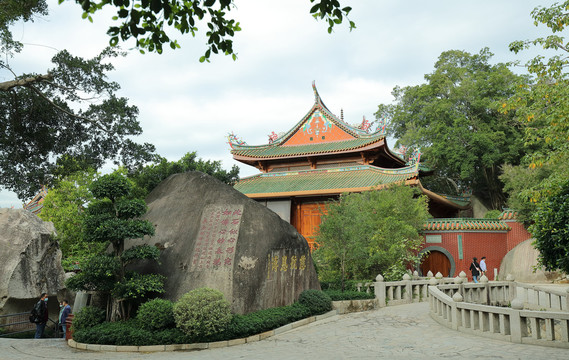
[70,112]
[149,21]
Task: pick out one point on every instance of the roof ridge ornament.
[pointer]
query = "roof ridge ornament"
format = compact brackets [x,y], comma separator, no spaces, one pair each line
[381,126]
[414,158]
[233,140]
[316,95]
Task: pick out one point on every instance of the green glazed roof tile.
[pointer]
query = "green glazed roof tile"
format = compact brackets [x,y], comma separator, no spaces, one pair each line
[352,177]
[272,151]
[458,224]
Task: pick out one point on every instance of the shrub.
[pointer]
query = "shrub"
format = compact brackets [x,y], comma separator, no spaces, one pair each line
[263,320]
[88,317]
[315,300]
[202,312]
[337,295]
[156,314]
[128,333]
[492,214]
[349,285]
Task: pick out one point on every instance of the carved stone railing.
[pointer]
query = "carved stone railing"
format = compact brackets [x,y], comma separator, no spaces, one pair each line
[460,307]
[535,297]
[409,290]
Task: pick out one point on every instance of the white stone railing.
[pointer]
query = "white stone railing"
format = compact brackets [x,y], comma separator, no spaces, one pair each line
[409,290]
[537,297]
[550,328]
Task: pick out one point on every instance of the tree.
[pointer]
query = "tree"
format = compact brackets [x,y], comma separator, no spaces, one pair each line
[455,120]
[148,177]
[65,206]
[540,185]
[371,233]
[551,232]
[68,112]
[112,218]
[147,21]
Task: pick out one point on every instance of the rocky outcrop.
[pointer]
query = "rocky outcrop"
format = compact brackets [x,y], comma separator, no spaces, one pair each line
[30,261]
[213,236]
[520,262]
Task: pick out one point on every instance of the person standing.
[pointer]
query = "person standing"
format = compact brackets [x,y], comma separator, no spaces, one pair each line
[65,311]
[475,269]
[483,266]
[42,315]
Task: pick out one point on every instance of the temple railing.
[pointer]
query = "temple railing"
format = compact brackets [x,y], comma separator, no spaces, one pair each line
[409,290]
[537,297]
[506,310]
[514,324]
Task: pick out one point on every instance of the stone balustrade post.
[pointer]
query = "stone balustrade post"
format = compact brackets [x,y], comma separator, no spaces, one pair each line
[485,293]
[379,290]
[408,296]
[516,331]
[455,312]
[512,293]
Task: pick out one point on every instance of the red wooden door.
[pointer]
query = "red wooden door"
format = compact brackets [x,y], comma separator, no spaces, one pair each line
[310,219]
[436,261]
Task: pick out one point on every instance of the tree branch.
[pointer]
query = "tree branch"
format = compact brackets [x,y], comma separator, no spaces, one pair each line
[8,85]
[94,122]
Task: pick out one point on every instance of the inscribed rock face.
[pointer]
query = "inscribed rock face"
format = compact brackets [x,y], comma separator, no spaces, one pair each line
[30,260]
[213,236]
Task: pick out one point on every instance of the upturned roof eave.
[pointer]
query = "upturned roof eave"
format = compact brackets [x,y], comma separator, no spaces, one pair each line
[438,198]
[377,144]
[323,192]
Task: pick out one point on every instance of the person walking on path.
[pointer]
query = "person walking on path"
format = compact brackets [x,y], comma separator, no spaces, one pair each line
[483,266]
[475,269]
[65,311]
[42,315]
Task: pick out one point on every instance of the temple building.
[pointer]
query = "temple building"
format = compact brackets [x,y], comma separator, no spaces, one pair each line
[321,157]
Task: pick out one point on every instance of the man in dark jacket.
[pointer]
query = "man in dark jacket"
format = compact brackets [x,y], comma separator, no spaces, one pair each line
[66,310]
[42,315]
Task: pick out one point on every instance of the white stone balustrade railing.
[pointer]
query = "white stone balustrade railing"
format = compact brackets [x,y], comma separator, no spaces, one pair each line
[535,297]
[510,324]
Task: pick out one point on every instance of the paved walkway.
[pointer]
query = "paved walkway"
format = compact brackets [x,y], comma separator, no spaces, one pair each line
[397,332]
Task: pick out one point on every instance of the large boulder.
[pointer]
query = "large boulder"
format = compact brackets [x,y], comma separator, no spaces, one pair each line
[521,261]
[30,260]
[214,236]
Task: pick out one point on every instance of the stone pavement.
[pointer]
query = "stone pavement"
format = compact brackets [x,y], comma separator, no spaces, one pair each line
[396,332]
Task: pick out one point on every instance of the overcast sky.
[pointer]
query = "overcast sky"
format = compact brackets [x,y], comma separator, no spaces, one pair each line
[188,106]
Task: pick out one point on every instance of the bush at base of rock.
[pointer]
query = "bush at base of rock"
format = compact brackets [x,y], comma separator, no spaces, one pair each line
[338,295]
[317,301]
[241,326]
[156,314]
[88,317]
[129,333]
[202,312]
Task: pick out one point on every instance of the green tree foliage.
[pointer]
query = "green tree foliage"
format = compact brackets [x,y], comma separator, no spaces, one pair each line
[371,233]
[70,111]
[150,22]
[455,120]
[539,186]
[65,206]
[15,10]
[156,314]
[148,177]
[551,231]
[111,218]
[202,312]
